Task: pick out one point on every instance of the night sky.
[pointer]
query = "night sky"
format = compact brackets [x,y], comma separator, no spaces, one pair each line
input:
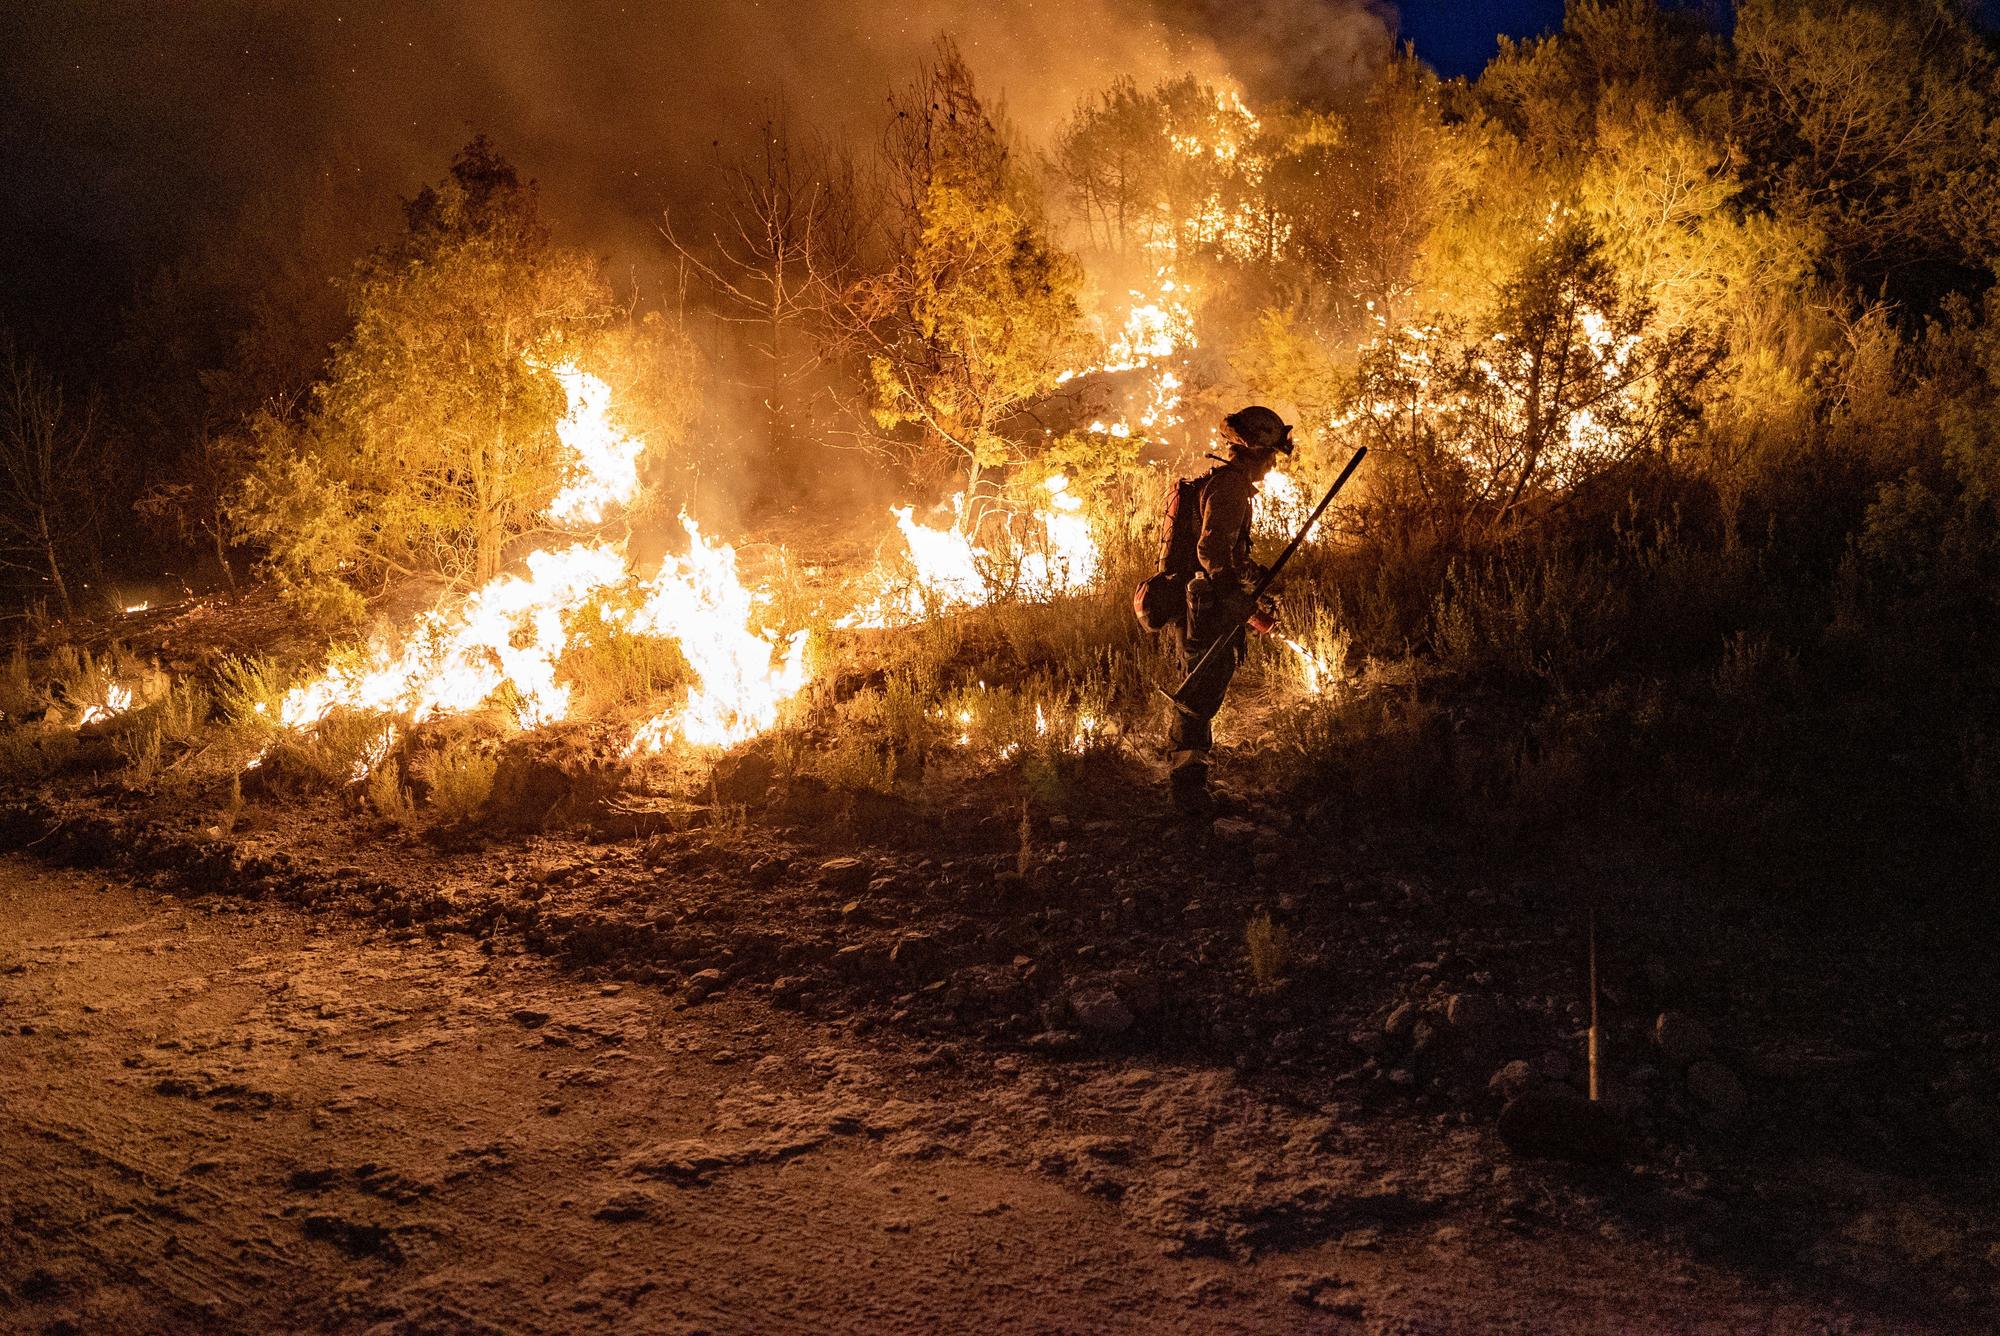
[1459,36]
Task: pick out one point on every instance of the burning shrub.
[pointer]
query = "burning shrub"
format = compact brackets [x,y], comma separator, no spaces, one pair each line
[1483,425]
[332,755]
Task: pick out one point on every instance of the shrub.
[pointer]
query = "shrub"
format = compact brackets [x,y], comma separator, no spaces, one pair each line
[461,781]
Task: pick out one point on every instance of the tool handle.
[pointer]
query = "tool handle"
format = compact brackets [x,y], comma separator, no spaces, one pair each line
[1271,574]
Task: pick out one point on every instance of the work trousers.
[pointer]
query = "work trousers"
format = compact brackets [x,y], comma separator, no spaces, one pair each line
[1208,620]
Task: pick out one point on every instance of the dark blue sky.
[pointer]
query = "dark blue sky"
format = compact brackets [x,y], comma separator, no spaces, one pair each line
[1459,36]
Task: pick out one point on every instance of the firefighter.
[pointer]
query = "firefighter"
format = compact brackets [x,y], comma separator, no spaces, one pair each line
[1219,589]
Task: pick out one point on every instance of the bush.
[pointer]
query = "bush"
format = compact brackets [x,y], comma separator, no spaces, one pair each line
[461,780]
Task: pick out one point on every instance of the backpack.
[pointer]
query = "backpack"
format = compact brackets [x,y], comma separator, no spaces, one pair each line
[1160,600]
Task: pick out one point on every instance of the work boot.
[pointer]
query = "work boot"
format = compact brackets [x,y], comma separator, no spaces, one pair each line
[1188,782]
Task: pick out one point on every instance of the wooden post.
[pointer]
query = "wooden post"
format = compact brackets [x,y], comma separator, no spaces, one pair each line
[1592,1053]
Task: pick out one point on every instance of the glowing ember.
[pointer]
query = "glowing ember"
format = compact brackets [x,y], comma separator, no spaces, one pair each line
[741,677]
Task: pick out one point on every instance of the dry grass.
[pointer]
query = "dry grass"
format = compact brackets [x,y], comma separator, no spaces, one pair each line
[1269,947]
[461,781]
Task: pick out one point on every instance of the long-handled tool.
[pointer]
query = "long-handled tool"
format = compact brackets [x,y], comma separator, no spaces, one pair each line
[1269,575]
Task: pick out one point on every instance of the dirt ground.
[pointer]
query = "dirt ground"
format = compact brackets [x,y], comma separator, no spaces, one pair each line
[221,1115]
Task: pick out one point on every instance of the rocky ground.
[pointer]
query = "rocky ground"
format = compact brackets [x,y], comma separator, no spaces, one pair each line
[1054,999]
[222,1114]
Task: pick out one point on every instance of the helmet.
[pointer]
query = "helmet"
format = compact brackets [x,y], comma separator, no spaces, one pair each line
[1260,429]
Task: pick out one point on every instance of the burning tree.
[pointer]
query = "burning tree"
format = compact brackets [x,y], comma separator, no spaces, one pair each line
[1562,382]
[975,312]
[432,445]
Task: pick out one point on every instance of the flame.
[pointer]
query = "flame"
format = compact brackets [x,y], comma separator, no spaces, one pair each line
[1315,672]
[741,677]
[117,700]
[604,473]
[510,631]
[949,569]
[513,632]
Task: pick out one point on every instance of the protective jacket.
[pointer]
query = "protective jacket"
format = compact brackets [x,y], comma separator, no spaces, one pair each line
[1223,547]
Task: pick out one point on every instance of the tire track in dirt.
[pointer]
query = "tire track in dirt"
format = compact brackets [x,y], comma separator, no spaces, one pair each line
[448,1146]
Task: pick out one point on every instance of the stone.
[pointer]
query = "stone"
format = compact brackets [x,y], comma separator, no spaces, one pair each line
[914,953]
[1720,1094]
[1557,1122]
[1470,1012]
[1401,1021]
[701,984]
[1681,1038]
[631,1204]
[1235,830]
[1514,1080]
[845,874]
[564,772]
[1100,1010]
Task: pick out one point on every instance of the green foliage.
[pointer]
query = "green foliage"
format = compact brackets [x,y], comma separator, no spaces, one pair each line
[975,312]
[1872,121]
[1565,381]
[432,443]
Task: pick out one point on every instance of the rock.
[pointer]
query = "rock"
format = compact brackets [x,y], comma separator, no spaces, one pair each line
[1099,1010]
[1721,1095]
[914,953]
[630,1204]
[1470,1013]
[1368,1039]
[1514,1080]
[743,778]
[1681,1038]
[529,1017]
[845,874]
[563,772]
[1401,1022]
[1235,830]
[1268,847]
[1562,1124]
[701,984]
[860,961]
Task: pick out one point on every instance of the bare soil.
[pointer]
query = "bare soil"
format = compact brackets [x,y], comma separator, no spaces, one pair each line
[220,1111]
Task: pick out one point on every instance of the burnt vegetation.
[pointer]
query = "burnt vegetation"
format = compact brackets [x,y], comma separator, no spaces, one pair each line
[1673,573]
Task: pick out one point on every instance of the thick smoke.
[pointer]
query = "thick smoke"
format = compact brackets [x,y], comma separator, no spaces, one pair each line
[133,132]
